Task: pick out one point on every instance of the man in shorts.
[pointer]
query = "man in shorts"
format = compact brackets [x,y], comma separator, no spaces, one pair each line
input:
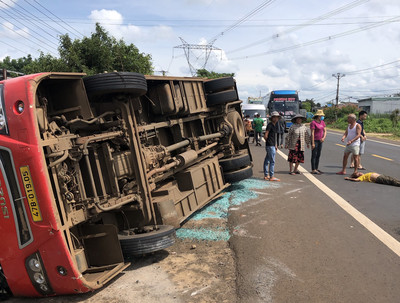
[362,116]
[352,139]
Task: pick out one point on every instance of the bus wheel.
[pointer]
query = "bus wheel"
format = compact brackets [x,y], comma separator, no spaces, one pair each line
[222,97]
[134,243]
[239,175]
[239,133]
[118,82]
[217,85]
[237,161]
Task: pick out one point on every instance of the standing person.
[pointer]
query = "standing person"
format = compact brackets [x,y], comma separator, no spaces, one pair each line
[271,147]
[318,135]
[258,124]
[247,125]
[281,127]
[362,116]
[296,140]
[352,136]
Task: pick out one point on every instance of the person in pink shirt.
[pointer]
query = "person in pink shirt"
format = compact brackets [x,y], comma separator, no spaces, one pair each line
[318,135]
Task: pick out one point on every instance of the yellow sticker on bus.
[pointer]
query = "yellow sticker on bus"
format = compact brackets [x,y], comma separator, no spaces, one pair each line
[30,194]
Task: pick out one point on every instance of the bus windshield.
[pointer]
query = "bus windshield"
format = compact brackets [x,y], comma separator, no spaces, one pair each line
[284,101]
[252,112]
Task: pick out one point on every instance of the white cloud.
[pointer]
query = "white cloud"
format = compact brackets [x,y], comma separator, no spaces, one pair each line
[10,31]
[113,22]
[6,4]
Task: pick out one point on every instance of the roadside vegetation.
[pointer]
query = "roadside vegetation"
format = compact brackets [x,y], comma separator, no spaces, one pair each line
[92,55]
[375,123]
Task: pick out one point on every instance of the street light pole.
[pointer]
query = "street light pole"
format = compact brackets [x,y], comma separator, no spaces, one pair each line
[337,76]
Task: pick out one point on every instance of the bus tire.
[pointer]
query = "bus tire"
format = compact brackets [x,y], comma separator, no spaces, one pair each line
[239,133]
[217,85]
[144,243]
[238,175]
[222,97]
[237,161]
[134,84]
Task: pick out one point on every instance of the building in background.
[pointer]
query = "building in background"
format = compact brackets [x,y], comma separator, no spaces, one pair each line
[382,105]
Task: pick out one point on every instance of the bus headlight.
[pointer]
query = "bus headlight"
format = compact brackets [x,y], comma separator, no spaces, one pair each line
[34,265]
[37,274]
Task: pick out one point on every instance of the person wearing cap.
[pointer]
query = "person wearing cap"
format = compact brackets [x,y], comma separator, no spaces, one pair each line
[318,135]
[258,124]
[296,140]
[271,147]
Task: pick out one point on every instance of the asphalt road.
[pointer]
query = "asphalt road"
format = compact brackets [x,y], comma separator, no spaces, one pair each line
[294,243]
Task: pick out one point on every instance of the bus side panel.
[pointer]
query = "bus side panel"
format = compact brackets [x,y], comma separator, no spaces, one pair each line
[23,145]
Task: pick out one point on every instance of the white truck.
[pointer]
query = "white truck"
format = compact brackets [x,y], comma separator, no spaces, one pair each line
[252,109]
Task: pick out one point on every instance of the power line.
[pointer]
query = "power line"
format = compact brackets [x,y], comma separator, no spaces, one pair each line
[13,47]
[243,19]
[25,31]
[18,33]
[305,24]
[342,34]
[26,18]
[57,18]
[360,71]
[228,20]
[35,17]
[186,25]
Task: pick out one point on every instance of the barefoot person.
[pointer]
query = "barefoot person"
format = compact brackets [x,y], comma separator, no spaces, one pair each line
[362,116]
[296,140]
[374,178]
[318,135]
[352,138]
[271,147]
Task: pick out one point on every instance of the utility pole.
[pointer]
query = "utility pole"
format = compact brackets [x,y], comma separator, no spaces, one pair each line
[337,76]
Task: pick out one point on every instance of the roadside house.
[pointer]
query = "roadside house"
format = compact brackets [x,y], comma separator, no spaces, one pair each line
[382,105]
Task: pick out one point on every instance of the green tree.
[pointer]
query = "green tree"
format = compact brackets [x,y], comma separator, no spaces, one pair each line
[395,117]
[101,52]
[306,105]
[45,63]
[16,64]
[95,54]
[212,75]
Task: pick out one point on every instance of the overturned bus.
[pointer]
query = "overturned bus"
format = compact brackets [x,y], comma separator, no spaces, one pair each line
[95,170]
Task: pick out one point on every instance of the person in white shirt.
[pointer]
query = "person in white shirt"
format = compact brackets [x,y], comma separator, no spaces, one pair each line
[352,138]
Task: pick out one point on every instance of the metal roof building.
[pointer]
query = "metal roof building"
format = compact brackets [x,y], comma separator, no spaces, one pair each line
[383,105]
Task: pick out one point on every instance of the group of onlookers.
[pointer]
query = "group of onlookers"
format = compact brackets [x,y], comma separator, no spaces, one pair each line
[298,137]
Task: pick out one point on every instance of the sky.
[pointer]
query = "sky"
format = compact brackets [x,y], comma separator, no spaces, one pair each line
[269,45]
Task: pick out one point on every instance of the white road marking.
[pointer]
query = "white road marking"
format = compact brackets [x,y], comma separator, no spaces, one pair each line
[261,193]
[293,191]
[339,134]
[373,228]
